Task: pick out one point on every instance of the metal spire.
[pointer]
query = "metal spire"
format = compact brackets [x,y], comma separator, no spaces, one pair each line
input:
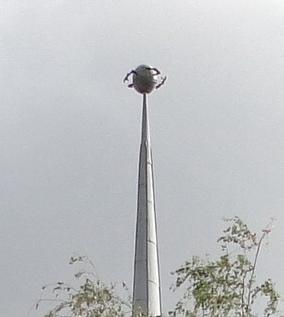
[146,286]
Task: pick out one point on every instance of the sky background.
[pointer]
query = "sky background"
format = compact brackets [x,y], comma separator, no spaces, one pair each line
[70,134]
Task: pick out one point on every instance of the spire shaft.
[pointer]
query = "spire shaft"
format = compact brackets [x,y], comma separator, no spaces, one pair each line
[146,288]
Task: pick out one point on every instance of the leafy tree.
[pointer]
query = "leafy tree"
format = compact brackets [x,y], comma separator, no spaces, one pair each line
[227,286]
[92,298]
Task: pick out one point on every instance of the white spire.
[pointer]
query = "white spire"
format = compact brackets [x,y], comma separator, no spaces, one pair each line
[146,286]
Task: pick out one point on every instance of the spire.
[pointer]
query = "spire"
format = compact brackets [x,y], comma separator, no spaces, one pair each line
[146,286]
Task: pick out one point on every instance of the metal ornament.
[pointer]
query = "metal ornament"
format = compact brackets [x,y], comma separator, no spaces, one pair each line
[145,78]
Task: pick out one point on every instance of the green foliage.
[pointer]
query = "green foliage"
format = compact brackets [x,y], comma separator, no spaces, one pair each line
[227,286]
[92,298]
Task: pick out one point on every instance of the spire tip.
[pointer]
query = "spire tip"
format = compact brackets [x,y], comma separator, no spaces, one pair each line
[145,78]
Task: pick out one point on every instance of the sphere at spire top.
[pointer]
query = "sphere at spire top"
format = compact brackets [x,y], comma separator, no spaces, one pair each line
[145,78]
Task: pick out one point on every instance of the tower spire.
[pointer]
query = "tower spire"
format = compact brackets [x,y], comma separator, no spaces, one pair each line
[146,286]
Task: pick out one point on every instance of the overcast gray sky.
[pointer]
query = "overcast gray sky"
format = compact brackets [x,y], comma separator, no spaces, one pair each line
[69,134]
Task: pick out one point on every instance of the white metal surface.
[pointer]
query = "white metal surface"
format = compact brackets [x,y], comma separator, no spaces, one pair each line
[146,286]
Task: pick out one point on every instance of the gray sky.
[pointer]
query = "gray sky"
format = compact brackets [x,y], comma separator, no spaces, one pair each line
[69,134]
